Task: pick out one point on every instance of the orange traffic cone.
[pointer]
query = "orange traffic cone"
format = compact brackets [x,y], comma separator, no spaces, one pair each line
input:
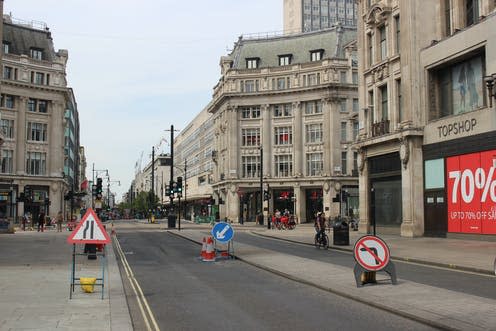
[210,252]
[204,248]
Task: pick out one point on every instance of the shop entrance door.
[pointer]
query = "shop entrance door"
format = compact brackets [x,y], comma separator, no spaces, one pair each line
[435,218]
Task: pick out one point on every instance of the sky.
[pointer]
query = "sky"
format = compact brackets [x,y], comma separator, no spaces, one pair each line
[137,67]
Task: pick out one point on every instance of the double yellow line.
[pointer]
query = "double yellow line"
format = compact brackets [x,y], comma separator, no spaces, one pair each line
[146,312]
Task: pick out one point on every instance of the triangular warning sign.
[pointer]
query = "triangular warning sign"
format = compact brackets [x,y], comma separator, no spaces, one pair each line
[89,231]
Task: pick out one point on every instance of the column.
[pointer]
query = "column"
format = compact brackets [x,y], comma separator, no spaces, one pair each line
[298,138]
[55,163]
[267,134]
[20,157]
[233,143]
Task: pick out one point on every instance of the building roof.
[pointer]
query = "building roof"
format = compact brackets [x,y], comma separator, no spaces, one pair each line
[22,38]
[267,50]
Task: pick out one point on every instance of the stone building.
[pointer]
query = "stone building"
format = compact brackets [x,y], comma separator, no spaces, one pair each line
[427,128]
[39,158]
[285,112]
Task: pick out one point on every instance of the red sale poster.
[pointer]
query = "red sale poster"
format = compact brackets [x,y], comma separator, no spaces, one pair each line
[471,180]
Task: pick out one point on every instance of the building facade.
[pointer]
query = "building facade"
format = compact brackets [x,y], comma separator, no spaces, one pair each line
[313,15]
[427,128]
[194,161]
[38,110]
[285,112]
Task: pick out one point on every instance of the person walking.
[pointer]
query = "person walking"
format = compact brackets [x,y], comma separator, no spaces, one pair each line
[41,221]
[59,219]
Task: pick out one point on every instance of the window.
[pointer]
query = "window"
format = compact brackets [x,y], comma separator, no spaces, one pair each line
[251,166]
[283,110]
[384,102]
[6,47]
[344,168]
[251,137]
[447,17]
[249,85]
[371,106]
[369,50]
[32,105]
[250,112]
[314,133]
[354,77]
[311,79]
[8,101]
[283,135]
[8,72]
[284,165]
[284,60]
[399,101]
[397,35]
[342,105]
[355,130]
[313,107]
[281,83]
[37,131]
[315,164]
[7,161]
[355,105]
[457,89]
[355,161]
[342,76]
[36,53]
[36,163]
[252,63]
[383,47]
[7,127]
[42,106]
[343,132]
[316,55]
[472,12]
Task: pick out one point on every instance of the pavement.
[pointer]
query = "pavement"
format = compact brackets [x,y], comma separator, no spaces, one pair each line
[35,279]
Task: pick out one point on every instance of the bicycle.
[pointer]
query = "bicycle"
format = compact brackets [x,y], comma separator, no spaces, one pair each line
[322,240]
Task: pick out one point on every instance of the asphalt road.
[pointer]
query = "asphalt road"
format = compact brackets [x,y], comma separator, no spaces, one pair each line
[469,283]
[187,294]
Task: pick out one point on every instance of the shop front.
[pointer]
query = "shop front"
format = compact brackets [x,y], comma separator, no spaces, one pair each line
[385,188]
[284,200]
[7,205]
[36,200]
[249,205]
[314,203]
[460,186]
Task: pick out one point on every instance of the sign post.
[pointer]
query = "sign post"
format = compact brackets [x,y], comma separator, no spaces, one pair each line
[90,230]
[224,233]
[372,254]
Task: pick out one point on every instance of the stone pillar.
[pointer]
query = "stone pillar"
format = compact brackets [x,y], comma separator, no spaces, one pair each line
[233,143]
[327,135]
[20,166]
[298,138]
[267,133]
[364,193]
[55,163]
[232,204]
[412,188]
[299,194]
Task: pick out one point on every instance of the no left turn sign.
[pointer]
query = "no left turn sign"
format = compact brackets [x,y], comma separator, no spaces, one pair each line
[371,253]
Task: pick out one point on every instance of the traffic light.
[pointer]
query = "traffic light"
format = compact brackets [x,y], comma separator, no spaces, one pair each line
[171,188]
[179,186]
[69,196]
[266,195]
[99,189]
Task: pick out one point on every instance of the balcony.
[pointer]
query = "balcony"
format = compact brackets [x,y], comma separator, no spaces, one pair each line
[380,128]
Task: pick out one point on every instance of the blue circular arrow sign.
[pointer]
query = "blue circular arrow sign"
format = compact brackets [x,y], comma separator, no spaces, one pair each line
[222,232]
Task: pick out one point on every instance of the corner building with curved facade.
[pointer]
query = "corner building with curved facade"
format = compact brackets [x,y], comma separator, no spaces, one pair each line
[286,108]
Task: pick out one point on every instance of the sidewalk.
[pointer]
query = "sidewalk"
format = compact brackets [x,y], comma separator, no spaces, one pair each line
[438,307]
[35,282]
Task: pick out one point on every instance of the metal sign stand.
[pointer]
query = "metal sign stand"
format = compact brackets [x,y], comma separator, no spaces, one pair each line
[369,278]
[77,280]
[229,253]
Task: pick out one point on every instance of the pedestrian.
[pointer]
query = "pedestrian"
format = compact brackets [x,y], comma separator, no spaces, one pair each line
[25,220]
[41,221]
[59,219]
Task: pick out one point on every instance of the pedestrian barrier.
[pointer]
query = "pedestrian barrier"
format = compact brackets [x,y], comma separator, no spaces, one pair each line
[210,251]
[204,248]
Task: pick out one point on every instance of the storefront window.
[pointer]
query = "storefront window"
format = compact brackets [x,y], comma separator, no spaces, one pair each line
[434,174]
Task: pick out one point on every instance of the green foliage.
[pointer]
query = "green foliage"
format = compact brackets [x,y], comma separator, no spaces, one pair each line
[142,203]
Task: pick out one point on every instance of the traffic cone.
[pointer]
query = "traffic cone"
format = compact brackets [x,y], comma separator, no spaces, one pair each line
[204,248]
[210,252]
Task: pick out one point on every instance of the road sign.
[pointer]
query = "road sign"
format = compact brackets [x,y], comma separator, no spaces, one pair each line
[371,253]
[89,231]
[222,232]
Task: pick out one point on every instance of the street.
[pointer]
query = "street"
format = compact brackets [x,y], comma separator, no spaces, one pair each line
[185,293]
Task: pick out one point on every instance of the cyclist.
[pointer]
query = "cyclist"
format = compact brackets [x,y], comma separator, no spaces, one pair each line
[320,225]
